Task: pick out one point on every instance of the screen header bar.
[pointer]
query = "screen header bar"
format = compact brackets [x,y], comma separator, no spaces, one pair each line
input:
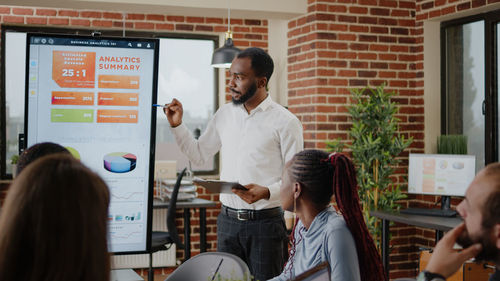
[91,42]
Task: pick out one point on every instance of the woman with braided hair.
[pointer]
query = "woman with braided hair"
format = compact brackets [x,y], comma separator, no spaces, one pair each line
[321,234]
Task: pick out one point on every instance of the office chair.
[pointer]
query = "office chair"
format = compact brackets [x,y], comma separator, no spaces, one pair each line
[161,240]
[211,266]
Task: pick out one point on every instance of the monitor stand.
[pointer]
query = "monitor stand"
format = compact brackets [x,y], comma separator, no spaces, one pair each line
[445,202]
[445,206]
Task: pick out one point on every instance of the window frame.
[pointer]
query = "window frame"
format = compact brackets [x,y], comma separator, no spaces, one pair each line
[490,99]
[101,32]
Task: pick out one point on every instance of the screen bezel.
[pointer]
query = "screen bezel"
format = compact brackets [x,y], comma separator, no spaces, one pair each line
[150,177]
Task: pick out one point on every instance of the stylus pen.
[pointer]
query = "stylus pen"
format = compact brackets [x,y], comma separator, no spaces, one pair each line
[161,105]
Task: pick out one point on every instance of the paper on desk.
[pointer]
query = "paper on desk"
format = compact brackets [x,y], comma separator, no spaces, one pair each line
[216,186]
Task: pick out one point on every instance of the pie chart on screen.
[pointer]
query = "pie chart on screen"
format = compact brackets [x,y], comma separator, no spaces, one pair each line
[119,162]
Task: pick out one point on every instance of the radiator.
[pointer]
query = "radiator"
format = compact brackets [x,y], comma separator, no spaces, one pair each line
[160,259]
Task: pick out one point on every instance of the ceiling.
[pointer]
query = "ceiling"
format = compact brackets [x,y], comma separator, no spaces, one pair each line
[258,9]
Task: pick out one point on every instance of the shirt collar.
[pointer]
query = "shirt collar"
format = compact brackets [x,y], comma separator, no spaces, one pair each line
[266,103]
[263,105]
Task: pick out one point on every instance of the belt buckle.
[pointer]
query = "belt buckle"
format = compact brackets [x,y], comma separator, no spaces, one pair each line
[240,213]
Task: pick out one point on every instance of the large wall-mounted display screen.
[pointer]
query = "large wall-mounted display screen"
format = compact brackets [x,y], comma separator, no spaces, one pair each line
[94,96]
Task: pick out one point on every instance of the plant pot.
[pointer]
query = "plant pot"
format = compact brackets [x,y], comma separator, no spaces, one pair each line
[14,170]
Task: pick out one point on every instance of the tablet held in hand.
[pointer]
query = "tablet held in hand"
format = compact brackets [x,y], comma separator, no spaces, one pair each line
[217,186]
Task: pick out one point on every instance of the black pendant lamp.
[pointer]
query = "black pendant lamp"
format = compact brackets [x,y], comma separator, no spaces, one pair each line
[224,55]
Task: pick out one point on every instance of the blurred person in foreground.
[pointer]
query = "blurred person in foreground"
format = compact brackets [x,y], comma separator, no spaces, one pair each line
[53,226]
[36,151]
[322,234]
[479,234]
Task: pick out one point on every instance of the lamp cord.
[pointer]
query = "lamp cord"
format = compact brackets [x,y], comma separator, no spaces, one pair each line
[123,15]
[228,17]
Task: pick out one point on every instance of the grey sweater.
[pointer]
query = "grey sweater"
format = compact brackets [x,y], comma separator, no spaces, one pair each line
[327,239]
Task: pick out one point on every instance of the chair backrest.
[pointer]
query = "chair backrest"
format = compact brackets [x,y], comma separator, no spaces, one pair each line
[211,266]
[172,207]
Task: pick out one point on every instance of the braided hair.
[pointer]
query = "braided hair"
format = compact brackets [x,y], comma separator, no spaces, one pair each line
[321,176]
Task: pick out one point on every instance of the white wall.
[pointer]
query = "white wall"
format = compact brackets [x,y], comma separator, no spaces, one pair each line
[278,46]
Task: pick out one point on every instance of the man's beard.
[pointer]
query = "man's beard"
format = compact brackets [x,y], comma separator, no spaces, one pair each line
[245,97]
[489,251]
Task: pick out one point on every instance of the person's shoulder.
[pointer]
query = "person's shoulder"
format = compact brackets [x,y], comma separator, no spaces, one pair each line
[336,230]
[282,110]
[226,108]
[335,222]
[282,117]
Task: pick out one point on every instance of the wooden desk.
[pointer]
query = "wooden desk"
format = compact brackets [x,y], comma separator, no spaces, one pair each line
[440,224]
[202,204]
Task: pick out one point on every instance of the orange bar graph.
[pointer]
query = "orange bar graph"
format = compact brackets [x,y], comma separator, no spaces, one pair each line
[118,99]
[118,82]
[117,116]
[73,98]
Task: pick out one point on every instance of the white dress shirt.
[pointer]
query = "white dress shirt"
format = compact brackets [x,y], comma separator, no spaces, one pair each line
[254,147]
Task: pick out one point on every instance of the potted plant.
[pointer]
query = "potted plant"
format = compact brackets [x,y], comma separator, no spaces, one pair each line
[452,144]
[375,147]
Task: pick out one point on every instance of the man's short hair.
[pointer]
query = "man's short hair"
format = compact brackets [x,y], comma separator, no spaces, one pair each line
[262,63]
[491,209]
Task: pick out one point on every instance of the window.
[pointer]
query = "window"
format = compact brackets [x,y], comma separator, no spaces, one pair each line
[190,78]
[469,94]
[185,73]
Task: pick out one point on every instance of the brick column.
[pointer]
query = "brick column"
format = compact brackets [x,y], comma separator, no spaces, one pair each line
[346,44]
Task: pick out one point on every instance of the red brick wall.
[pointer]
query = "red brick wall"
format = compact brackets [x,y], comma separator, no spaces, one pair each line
[346,44]
[246,33]
[343,44]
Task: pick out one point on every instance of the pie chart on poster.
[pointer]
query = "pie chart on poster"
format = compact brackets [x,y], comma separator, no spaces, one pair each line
[119,162]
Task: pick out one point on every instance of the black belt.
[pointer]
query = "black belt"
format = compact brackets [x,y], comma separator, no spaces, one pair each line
[244,214]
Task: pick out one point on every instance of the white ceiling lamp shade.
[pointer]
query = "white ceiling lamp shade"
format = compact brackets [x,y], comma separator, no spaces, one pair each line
[224,55]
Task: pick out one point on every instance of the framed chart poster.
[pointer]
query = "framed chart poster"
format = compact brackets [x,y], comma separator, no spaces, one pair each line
[94,96]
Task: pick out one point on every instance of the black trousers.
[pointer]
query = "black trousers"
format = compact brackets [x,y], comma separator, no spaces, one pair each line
[262,244]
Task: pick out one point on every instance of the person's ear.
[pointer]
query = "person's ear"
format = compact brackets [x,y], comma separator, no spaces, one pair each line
[262,82]
[297,189]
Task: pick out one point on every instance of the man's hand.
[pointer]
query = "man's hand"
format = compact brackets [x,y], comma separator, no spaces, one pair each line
[253,193]
[445,260]
[174,112]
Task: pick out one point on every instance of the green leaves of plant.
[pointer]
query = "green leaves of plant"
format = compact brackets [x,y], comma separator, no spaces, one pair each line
[376,144]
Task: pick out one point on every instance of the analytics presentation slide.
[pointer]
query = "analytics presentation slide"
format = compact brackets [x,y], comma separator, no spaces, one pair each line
[94,96]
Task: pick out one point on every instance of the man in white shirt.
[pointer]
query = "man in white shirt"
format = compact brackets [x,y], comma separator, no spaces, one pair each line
[256,137]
